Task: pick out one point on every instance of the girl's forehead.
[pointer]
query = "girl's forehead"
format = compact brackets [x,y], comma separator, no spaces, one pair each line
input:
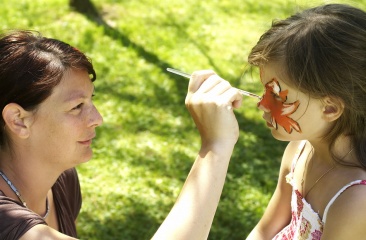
[269,72]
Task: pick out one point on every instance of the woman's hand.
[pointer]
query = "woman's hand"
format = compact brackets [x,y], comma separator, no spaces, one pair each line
[211,100]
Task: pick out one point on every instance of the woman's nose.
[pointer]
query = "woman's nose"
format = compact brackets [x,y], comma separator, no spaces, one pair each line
[96,118]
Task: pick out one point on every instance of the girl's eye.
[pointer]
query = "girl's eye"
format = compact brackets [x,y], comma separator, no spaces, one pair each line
[276,96]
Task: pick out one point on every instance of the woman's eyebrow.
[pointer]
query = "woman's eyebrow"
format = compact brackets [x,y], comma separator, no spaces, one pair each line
[74,96]
[78,94]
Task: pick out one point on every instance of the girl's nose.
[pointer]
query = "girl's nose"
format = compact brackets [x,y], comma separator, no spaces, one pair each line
[263,108]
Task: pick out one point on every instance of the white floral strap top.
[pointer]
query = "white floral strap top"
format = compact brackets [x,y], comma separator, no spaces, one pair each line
[305,222]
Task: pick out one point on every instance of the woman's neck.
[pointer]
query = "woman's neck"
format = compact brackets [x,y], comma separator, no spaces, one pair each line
[32,179]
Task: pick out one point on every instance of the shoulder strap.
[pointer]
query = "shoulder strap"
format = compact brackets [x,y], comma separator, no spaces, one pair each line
[297,155]
[353,183]
[300,149]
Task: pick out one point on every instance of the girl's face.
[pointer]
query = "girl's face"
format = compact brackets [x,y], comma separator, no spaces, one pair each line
[64,124]
[290,113]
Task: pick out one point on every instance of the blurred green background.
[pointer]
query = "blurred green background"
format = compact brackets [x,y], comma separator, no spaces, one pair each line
[147,144]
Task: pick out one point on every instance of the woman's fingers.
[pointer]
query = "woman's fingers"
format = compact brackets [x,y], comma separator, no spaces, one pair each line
[208,100]
[197,78]
[233,96]
[206,86]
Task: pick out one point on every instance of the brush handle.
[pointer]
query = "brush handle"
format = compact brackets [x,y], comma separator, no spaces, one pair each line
[187,75]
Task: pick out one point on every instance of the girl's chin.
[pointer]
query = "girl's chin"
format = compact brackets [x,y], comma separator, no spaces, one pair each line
[282,135]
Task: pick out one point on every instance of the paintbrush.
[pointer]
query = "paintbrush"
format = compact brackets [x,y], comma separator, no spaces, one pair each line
[187,75]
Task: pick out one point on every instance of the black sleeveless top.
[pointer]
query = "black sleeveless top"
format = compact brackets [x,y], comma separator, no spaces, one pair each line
[16,220]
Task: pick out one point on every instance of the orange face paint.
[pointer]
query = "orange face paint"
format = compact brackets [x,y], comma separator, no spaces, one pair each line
[274,100]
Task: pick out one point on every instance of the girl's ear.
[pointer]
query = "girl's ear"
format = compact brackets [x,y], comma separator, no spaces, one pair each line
[17,120]
[332,108]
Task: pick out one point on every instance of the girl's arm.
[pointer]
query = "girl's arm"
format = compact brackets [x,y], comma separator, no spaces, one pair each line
[346,216]
[278,212]
[210,101]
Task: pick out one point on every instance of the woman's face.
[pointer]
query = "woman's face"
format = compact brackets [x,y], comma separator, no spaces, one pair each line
[64,124]
[291,114]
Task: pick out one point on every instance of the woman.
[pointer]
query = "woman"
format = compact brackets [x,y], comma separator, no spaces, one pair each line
[48,124]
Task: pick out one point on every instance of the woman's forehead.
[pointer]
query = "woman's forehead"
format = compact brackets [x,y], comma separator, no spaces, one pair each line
[73,85]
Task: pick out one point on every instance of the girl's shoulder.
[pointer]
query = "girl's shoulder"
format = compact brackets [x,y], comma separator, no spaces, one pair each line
[295,146]
[293,152]
[347,211]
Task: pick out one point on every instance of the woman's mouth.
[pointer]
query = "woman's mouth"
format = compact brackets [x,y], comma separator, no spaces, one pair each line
[87,142]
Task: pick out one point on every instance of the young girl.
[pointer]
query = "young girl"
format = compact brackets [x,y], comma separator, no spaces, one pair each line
[313,68]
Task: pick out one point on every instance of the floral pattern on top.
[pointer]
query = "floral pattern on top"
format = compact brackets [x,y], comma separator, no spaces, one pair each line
[305,223]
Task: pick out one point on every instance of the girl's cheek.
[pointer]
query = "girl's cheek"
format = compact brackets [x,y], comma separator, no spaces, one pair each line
[262,107]
[274,102]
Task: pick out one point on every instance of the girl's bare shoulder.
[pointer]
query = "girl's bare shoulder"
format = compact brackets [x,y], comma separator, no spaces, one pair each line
[347,214]
[293,150]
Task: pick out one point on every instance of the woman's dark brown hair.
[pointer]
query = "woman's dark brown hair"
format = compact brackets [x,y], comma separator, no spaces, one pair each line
[31,66]
[323,52]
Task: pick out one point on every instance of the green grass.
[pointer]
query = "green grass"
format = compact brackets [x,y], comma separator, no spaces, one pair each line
[147,144]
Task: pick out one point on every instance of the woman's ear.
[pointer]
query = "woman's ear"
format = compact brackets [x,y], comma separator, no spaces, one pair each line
[17,120]
[332,108]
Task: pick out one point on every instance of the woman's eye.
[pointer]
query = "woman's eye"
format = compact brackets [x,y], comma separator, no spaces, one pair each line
[78,106]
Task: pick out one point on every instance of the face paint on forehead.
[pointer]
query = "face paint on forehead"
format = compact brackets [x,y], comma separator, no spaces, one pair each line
[274,100]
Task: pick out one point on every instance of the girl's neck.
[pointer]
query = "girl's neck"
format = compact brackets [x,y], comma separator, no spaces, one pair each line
[342,150]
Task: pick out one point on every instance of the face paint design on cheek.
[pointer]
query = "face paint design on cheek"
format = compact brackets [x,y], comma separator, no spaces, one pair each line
[274,100]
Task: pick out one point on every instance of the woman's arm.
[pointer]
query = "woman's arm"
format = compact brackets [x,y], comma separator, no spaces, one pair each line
[278,212]
[43,232]
[210,101]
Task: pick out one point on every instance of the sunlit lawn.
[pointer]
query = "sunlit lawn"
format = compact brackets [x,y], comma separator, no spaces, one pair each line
[148,141]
